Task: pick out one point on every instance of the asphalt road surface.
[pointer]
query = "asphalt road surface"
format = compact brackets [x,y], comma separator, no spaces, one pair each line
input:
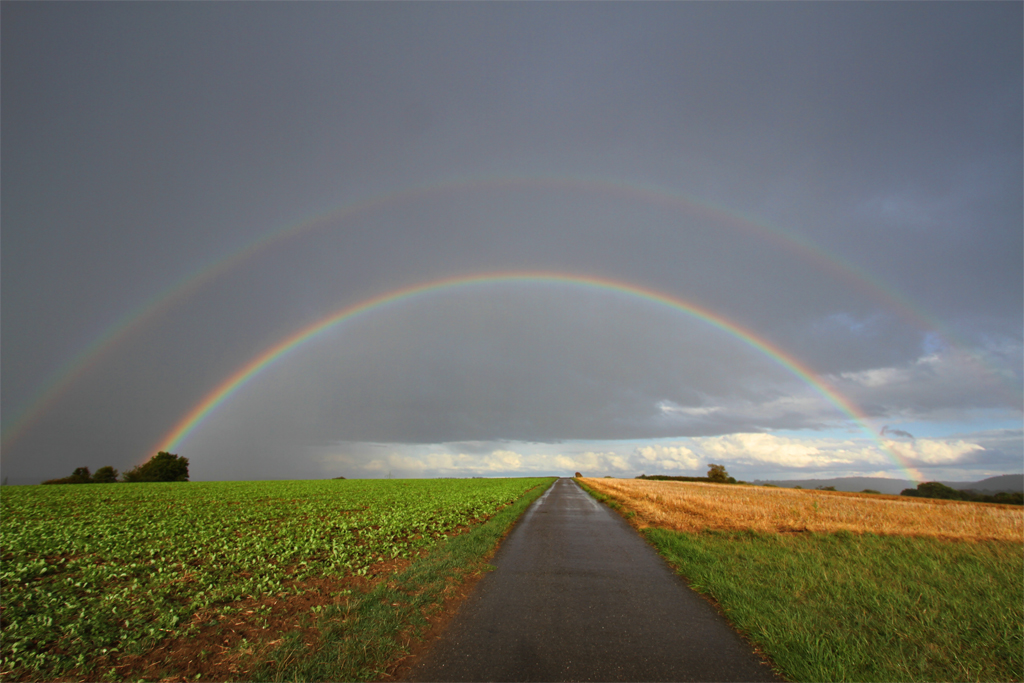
[578,595]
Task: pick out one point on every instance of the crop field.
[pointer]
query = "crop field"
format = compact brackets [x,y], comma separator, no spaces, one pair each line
[692,506]
[835,586]
[93,576]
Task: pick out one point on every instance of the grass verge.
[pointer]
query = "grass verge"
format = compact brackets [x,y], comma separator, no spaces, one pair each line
[361,639]
[861,607]
[842,606]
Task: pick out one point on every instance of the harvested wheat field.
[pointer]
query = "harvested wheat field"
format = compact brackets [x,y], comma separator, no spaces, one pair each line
[686,506]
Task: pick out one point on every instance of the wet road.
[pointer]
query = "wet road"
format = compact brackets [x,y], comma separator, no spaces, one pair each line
[578,595]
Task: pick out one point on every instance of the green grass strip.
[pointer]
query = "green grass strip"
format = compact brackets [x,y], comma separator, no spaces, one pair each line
[845,607]
[361,639]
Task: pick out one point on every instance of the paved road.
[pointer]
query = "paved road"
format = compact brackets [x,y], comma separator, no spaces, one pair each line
[578,596]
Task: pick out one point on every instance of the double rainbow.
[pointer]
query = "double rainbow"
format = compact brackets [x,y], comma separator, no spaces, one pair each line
[18,421]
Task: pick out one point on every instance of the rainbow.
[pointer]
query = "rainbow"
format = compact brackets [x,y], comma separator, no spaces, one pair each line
[227,388]
[18,422]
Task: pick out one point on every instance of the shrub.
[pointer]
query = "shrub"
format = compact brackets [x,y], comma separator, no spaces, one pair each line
[80,476]
[161,467]
[105,475]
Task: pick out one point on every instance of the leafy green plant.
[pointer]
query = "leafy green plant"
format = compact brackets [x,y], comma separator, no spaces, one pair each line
[113,570]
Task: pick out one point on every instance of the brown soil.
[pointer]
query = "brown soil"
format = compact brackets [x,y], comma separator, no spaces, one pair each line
[418,645]
[223,646]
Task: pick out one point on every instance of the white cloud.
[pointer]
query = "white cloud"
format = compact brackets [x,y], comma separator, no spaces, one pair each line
[877,377]
[786,451]
[933,451]
[671,408]
[670,457]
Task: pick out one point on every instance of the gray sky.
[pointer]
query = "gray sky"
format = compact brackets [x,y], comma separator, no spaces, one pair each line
[842,180]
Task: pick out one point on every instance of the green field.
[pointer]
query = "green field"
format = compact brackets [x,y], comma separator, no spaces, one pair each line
[95,574]
[860,607]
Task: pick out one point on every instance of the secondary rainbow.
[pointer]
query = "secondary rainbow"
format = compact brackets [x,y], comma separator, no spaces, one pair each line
[240,377]
[19,420]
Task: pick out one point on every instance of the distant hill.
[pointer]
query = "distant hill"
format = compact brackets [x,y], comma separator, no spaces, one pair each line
[1005,482]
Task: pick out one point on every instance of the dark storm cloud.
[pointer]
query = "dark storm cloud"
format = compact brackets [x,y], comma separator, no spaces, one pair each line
[889,431]
[145,141]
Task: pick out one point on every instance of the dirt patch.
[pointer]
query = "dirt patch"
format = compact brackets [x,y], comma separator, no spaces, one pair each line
[223,642]
[438,622]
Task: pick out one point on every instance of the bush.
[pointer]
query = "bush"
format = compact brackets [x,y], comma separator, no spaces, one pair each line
[105,475]
[80,476]
[161,467]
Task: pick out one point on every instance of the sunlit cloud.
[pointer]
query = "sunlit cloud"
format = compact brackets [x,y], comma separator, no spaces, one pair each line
[933,452]
[746,455]
[669,457]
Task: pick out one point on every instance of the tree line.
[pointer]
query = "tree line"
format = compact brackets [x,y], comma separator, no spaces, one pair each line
[161,467]
[934,489]
[716,475]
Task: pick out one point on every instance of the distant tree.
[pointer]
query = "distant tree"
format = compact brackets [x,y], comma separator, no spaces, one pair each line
[826,488]
[1009,498]
[81,476]
[869,491]
[717,473]
[161,467]
[105,475]
[933,489]
[578,475]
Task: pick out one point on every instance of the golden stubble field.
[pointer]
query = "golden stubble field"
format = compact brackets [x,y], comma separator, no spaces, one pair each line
[695,506]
